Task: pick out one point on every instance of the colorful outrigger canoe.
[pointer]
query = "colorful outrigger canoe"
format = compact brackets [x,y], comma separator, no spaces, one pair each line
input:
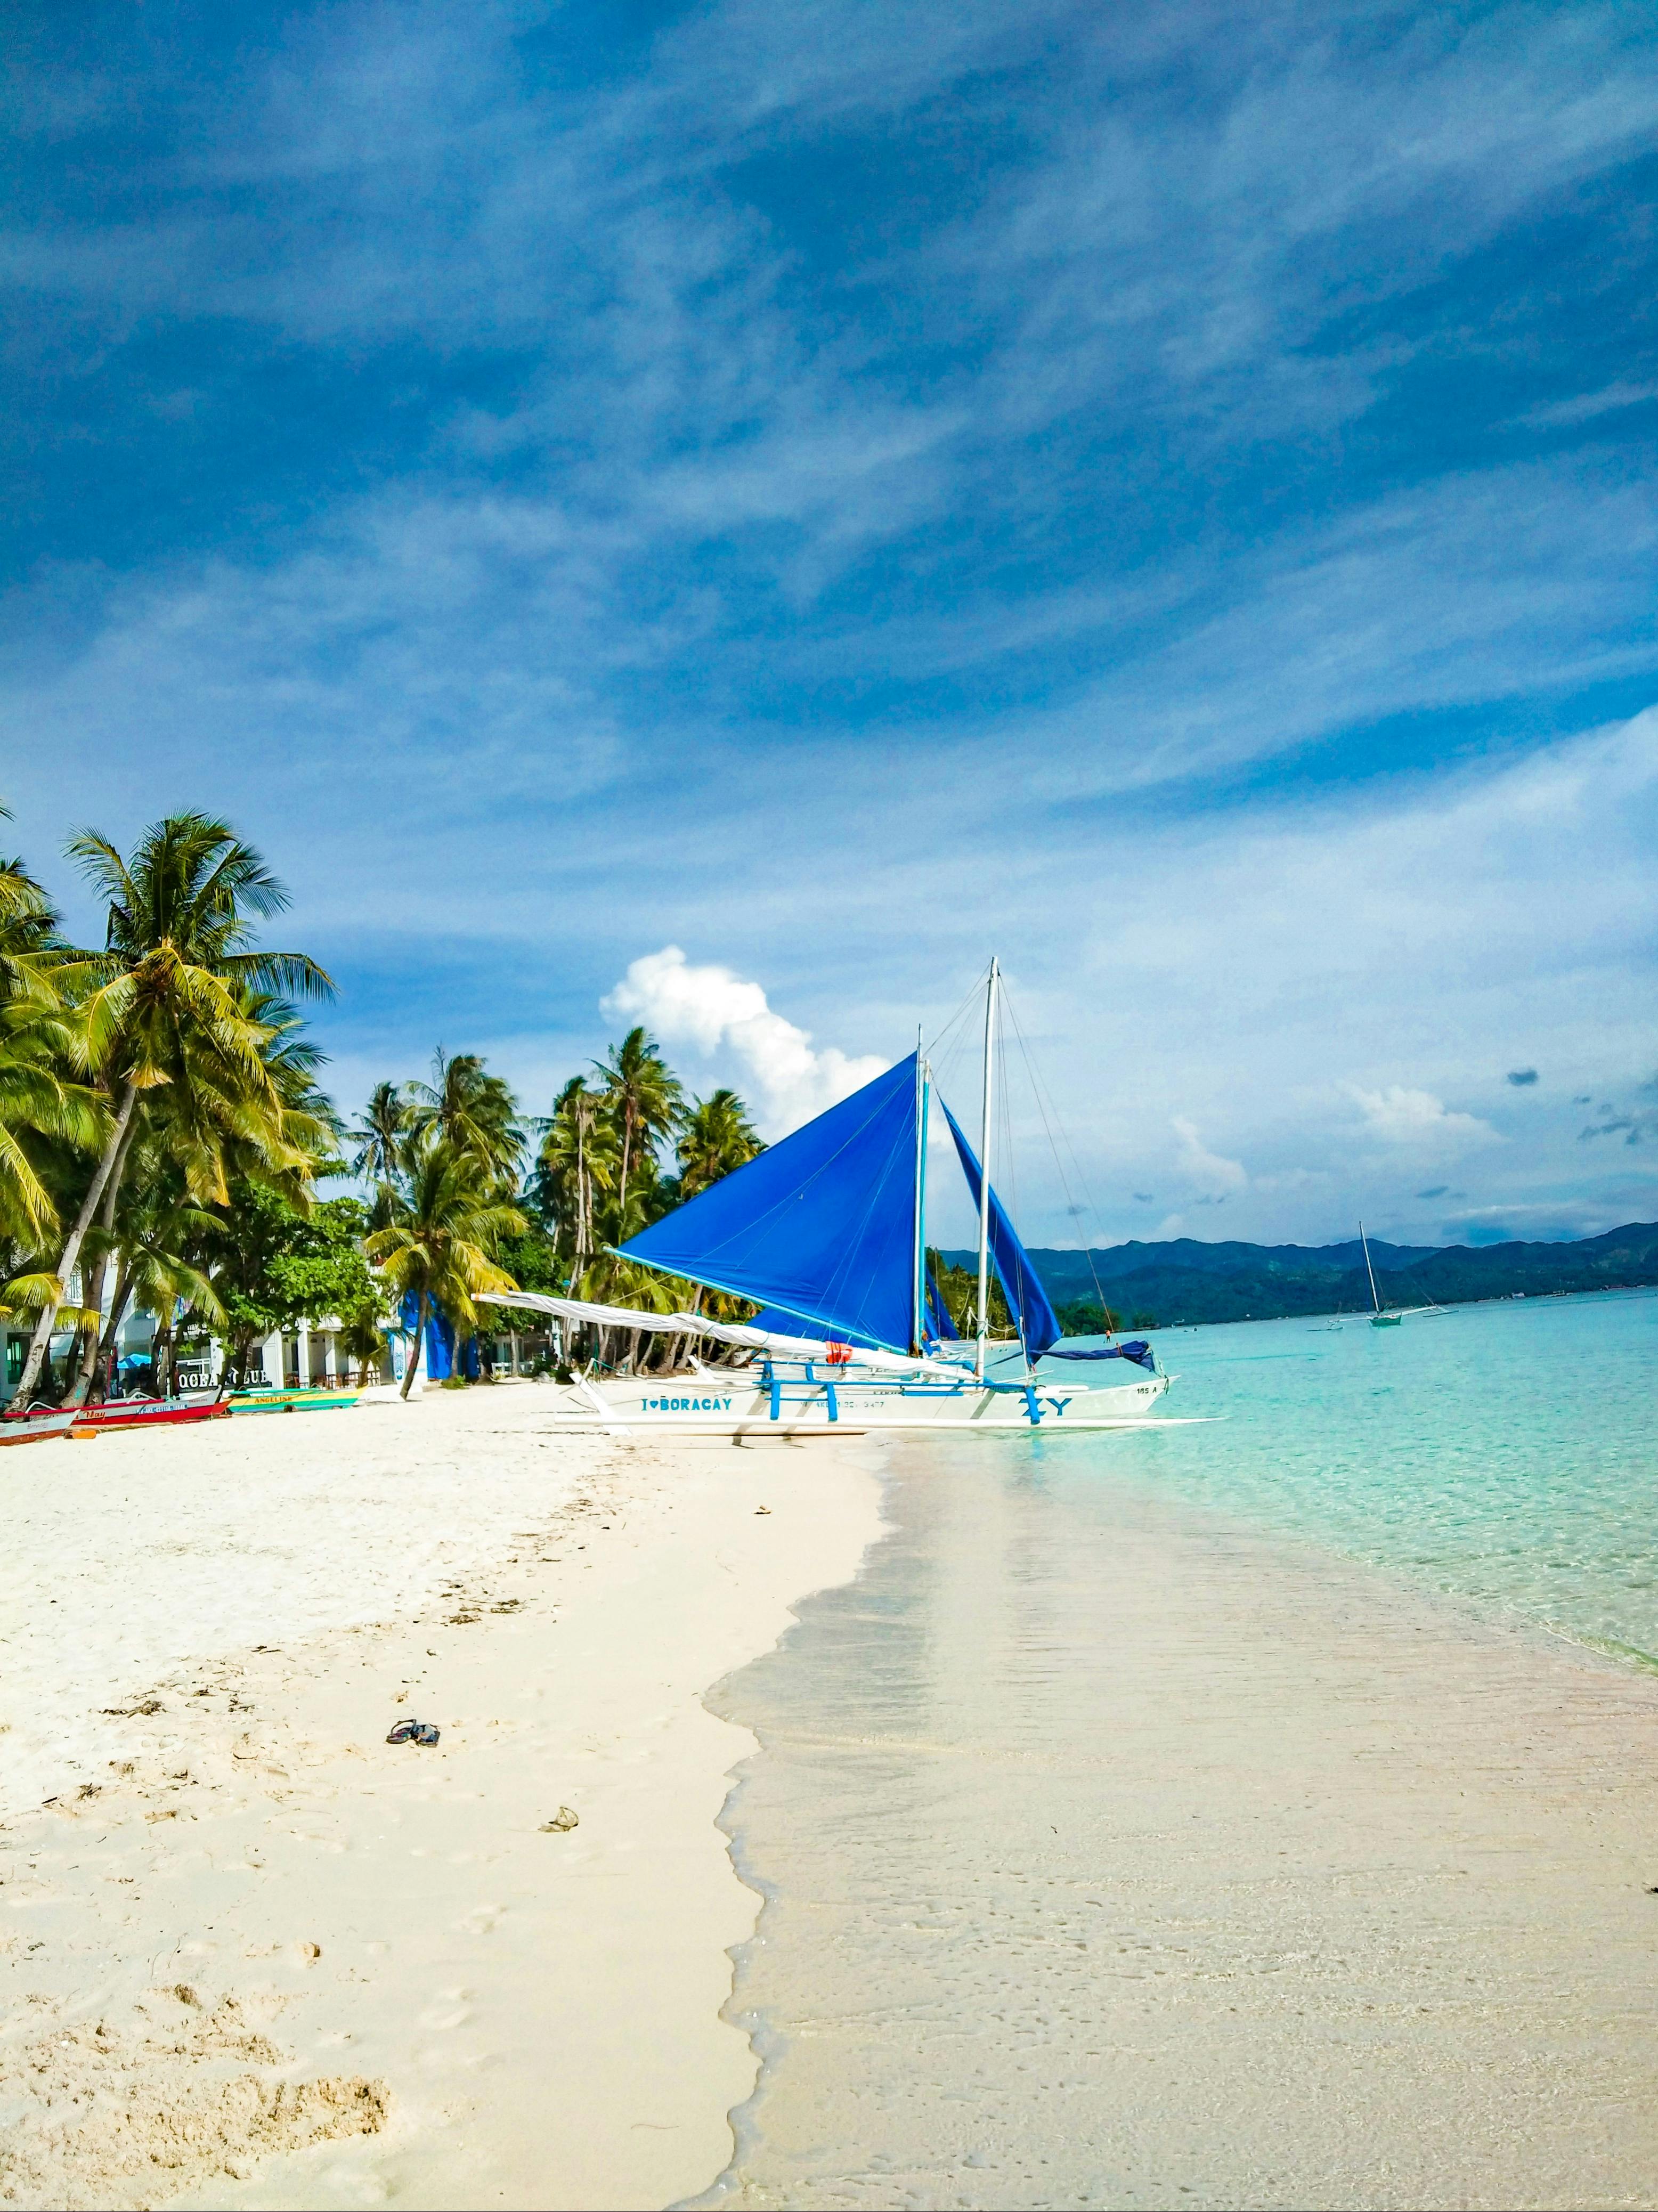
[145,1414]
[290,1401]
[34,1428]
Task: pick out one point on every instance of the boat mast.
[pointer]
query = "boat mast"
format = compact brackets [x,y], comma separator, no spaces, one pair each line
[994,979]
[917,1273]
[1374,1301]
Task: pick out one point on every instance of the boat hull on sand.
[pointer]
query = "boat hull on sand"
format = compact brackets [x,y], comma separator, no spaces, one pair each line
[293,1401]
[816,1403]
[34,1428]
[145,1414]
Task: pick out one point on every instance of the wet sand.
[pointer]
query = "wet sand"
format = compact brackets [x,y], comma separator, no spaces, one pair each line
[1121,1854]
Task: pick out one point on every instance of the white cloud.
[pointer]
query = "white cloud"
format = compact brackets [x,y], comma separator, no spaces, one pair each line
[1215,1176]
[1399,1116]
[711,1008]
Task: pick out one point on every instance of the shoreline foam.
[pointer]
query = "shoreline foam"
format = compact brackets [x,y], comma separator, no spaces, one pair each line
[277,1962]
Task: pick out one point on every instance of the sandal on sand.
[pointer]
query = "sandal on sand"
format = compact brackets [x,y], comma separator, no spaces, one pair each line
[403,1732]
[424,1733]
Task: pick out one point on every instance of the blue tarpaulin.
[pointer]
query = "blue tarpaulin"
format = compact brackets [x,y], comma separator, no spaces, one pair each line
[1139,1351]
[437,1358]
[820,1227]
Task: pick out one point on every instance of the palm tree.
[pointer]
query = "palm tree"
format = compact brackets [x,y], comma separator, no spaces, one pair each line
[39,1100]
[161,1246]
[437,1248]
[361,1338]
[578,1156]
[282,1138]
[715,1138]
[167,1005]
[643,1096]
[380,1137]
[46,1119]
[471,1110]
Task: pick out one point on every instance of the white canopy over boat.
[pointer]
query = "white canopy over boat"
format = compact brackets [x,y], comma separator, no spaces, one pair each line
[723,1331]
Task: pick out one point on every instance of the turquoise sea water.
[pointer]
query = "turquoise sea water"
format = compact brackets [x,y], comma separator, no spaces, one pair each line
[989,1971]
[1507,1454]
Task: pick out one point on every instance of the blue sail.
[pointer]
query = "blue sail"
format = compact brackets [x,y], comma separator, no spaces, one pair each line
[1026,1301]
[821,1226]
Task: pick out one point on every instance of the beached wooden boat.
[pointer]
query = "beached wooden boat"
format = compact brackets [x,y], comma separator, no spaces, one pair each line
[290,1401]
[145,1414]
[34,1428]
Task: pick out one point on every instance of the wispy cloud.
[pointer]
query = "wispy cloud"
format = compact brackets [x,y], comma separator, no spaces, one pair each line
[839,488]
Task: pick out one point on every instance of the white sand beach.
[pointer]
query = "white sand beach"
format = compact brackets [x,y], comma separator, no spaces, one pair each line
[252,1954]
[1354,1896]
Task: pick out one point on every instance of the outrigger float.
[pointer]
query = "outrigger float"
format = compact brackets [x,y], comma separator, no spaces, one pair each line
[827,1232]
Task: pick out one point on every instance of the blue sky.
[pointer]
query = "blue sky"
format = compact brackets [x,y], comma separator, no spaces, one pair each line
[1166,496]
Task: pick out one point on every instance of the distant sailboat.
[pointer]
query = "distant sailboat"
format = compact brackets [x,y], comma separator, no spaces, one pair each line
[826,1232]
[1378,1319]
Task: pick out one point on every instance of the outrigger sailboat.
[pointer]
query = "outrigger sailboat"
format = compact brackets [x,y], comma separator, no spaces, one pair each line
[1378,1318]
[826,1230]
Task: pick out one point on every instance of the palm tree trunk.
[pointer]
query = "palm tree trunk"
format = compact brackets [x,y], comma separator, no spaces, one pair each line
[41,1343]
[111,1326]
[420,1338]
[161,1358]
[93,1298]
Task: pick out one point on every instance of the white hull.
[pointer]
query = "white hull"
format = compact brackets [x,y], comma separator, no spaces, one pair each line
[34,1428]
[738,1405]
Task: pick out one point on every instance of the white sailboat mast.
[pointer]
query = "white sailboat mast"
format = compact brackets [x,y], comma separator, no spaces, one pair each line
[918,1255]
[995,978]
[1374,1301]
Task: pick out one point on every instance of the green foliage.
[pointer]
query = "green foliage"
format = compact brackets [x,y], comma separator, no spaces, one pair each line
[1088,1317]
[446,1222]
[531,1258]
[959,1289]
[274,1265]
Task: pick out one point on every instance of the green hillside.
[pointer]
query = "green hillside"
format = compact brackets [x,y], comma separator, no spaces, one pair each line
[1162,1286]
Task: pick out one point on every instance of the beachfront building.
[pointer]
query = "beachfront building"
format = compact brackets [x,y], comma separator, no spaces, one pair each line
[309,1357]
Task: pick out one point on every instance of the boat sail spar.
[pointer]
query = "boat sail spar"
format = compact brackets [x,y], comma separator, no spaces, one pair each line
[826,1232]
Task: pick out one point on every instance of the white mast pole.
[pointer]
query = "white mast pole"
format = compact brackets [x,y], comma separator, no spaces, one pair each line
[1374,1301]
[918,1302]
[994,979]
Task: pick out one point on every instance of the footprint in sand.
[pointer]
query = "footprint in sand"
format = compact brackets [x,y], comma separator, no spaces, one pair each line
[448,2008]
[482,1921]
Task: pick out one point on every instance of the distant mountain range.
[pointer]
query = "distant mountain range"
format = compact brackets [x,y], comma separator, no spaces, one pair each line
[1161,1285]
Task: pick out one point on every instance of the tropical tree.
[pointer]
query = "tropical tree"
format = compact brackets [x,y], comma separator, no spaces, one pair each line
[579,1155]
[437,1248]
[274,1263]
[160,1270]
[380,1137]
[48,1120]
[474,1113]
[715,1138]
[362,1338]
[167,1003]
[644,1099]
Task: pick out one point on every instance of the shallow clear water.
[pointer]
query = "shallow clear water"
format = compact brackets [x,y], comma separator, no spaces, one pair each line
[981,1965]
[1504,1453]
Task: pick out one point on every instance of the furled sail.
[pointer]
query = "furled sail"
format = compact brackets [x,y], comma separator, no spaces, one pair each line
[821,1226]
[1026,1301]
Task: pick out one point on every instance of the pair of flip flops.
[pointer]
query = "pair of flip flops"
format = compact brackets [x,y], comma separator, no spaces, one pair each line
[413,1732]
